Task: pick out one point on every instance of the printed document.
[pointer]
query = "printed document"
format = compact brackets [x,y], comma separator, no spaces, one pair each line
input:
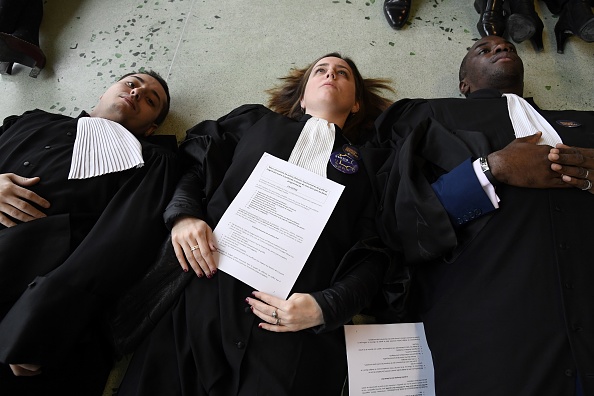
[389,359]
[272,225]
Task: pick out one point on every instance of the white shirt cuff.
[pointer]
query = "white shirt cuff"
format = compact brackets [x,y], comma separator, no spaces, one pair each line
[486,184]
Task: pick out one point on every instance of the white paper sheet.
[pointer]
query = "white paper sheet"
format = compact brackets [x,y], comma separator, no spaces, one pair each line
[272,225]
[389,359]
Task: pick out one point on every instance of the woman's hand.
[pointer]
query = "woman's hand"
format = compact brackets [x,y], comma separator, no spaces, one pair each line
[193,243]
[300,311]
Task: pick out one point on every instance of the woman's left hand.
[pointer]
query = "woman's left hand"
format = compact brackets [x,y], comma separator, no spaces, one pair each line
[300,311]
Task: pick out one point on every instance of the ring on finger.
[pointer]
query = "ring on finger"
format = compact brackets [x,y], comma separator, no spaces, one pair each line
[278,321]
[588,187]
[196,247]
[274,314]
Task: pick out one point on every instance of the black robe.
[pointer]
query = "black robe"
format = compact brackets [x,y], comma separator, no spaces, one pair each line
[210,343]
[507,301]
[58,274]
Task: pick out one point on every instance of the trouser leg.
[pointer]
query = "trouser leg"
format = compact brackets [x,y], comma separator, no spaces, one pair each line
[30,21]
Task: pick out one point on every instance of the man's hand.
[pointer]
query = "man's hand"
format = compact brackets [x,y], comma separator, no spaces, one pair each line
[523,163]
[25,370]
[575,165]
[16,201]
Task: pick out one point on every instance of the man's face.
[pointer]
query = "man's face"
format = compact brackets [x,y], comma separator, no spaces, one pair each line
[492,62]
[135,102]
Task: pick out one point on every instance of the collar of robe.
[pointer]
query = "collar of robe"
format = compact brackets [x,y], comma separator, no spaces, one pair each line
[103,146]
[314,145]
[527,121]
[523,114]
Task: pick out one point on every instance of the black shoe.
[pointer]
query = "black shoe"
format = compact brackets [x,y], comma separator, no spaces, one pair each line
[16,50]
[492,20]
[6,67]
[396,12]
[575,19]
[524,23]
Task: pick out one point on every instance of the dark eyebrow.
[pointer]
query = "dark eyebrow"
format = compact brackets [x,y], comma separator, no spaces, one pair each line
[152,90]
[337,66]
[483,44]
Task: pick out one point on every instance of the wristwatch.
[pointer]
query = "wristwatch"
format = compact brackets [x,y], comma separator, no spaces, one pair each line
[487,171]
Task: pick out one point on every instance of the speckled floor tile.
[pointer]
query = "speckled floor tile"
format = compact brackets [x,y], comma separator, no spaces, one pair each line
[217,55]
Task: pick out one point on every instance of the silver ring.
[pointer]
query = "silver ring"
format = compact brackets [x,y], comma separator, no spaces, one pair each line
[274,314]
[194,248]
[588,187]
[277,321]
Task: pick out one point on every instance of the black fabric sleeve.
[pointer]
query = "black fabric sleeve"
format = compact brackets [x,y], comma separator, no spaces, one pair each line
[55,310]
[354,290]
[207,152]
[11,120]
[358,277]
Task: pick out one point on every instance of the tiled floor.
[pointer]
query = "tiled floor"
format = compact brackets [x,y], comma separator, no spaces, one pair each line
[217,55]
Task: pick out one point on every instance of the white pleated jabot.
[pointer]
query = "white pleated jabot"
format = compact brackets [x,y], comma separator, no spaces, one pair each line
[103,146]
[526,121]
[314,146]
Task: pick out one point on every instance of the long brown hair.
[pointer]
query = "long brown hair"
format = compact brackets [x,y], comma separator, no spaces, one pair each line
[286,98]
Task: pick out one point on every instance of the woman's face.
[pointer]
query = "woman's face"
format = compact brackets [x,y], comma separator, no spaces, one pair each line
[330,88]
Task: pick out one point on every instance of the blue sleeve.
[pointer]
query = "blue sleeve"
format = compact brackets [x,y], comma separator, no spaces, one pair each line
[461,194]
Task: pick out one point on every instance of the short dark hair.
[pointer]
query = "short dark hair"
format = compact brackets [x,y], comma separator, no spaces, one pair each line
[462,72]
[161,80]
